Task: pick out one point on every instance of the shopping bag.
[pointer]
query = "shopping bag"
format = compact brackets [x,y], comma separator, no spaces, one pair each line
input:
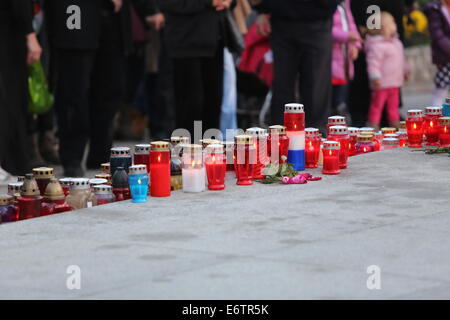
[40,98]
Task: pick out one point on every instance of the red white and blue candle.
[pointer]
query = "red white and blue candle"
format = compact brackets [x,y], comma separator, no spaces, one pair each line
[294,121]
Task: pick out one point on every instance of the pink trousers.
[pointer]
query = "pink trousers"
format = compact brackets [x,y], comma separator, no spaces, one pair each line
[389,98]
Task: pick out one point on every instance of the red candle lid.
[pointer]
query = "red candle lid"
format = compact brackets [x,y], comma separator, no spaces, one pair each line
[336,120]
[138,169]
[444,121]
[339,130]
[433,111]
[415,113]
[294,108]
[331,145]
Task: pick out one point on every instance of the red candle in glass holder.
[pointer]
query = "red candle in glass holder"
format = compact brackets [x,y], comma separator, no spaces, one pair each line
[279,142]
[335,121]
[340,134]
[142,155]
[312,148]
[365,144]
[444,131]
[353,133]
[431,125]
[331,158]
[390,143]
[229,154]
[160,169]
[245,159]
[29,202]
[215,163]
[386,131]
[402,136]
[414,127]
[260,143]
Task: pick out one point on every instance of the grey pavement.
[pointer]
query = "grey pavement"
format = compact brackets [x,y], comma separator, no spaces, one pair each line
[314,241]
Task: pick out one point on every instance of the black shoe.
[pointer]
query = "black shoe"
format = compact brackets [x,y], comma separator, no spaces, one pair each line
[74,172]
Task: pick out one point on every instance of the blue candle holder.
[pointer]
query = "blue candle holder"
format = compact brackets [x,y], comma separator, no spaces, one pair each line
[446,108]
[138,181]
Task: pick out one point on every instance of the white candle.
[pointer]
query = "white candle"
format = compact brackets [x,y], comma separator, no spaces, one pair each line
[193,179]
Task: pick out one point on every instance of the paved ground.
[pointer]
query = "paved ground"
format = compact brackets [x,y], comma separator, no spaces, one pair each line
[389,209]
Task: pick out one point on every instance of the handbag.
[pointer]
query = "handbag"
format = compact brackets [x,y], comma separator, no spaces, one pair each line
[40,98]
[234,39]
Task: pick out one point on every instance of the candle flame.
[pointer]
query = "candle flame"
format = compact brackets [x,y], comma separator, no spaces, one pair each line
[159,158]
[365,149]
[414,126]
[139,181]
[445,129]
[431,124]
[214,158]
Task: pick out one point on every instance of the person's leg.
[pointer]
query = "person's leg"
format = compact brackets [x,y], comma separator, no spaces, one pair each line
[378,101]
[340,94]
[359,93]
[286,64]
[392,110]
[47,139]
[228,118]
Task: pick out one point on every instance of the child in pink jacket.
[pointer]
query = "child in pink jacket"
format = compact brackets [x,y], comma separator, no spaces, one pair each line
[387,71]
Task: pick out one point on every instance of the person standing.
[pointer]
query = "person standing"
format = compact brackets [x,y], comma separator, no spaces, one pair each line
[19,47]
[301,41]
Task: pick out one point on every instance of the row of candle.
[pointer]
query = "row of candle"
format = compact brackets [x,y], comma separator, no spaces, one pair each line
[429,125]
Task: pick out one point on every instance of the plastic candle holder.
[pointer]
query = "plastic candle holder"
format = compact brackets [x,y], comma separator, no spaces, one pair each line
[312,148]
[260,143]
[446,108]
[444,131]
[142,155]
[365,144]
[229,154]
[335,121]
[331,158]
[414,126]
[215,166]
[278,143]
[54,199]
[14,189]
[43,176]
[80,195]
[138,181]
[294,121]
[103,194]
[245,158]
[120,157]
[30,199]
[340,134]
[431,125]
[353,133]
[8,211]
[160,169]
[193,171]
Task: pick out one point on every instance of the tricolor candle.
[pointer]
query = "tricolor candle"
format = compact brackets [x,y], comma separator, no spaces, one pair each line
[414,127]
[159,169]
[431,125]
[294,121]
[142,155]
[444,131]
[138,181]
[278,144]
[365,144]
[335,121]
[43,176]
[260,143]
[244,159]
[340,135]
[312,147]
[331,157]
[215,163]
[193,171]
[120,157]
[353,133]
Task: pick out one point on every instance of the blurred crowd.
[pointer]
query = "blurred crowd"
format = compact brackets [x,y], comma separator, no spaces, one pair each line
[119,69]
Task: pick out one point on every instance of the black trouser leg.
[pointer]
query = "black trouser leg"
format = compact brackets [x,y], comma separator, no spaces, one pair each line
[359,93]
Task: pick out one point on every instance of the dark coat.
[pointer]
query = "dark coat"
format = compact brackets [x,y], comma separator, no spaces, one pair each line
[440,33]
[300,9]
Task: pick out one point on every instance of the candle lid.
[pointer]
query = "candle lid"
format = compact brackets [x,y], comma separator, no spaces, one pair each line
[402,125]
[339,130]
[97,181]
[294,108]
[66,182]
[179,140]
[30,186]
[331,145]
[102,189]
[415,113]
[214,148]
[444,121]
[54,191]
[311,132]
[120,152]
[20,178]
[390,141]
[277,129]
[105,167]
[256,132]
[43,173]
[229,145]
[365,138]
[142,149]
[353,131]
[243,139]
[192,148]
[366,130]
[207,142]
[433,111]
[159,146]
[6,199]
[138,169]
[336,120]
[386,131]
[80,184]
[14,188]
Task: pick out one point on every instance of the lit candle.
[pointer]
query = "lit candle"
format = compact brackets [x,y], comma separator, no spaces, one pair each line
[335,121]
[402,136]
[160,169]
[245,158]
[431,125]
[215,166]
[294,120]
[193,171]
[120,157]
[365,144]
[142,155]
[353,133]
[340,135]
[278,143]
[260,143]
[138,181]
[312,147]
[414,126]
[444,131]
[331,158]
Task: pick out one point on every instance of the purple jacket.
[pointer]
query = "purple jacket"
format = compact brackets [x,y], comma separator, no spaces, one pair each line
[439,25]
[341,43]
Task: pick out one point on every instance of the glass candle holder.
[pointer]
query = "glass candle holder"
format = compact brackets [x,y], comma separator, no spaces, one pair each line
[386,131]
[335,121]
[331,158]
[312,148]
[43,176]
[390,143]
[160,169]
[54,199]
[215,167]
[120,157]
[194,175]
[103,194]
[142,155]
[29,202]
[260,143]
[365,144]
[229,154]
[294,121]
[120,186]
[245,158]
[340,135]
[96,182]
[278,144]
[105,167]
[444,131]
[353,133]
[138,181]
[322,140]
[414,127]
[14,189]
[80,195]
[402,136]
[8,211]
[176,151]
[431,125]
[66,183]
[378,140]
